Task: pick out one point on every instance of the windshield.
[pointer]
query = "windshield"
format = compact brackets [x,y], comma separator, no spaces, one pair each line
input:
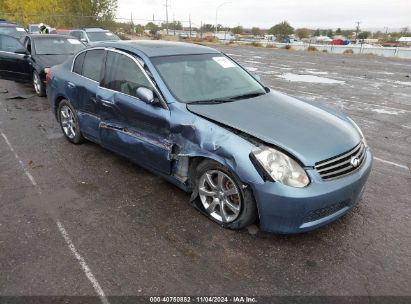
[101,36]
[57,46]
[16,32]
[34,28]
[194,78]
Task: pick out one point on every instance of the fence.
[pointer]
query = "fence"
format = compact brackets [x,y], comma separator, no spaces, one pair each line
[400,52]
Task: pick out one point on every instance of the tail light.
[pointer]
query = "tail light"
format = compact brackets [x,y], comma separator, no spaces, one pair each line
[48,74]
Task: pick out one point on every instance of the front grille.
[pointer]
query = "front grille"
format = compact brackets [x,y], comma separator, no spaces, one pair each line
[342,164]
[323,212]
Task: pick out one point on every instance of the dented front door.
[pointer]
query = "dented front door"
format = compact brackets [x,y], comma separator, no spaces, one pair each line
[129,126]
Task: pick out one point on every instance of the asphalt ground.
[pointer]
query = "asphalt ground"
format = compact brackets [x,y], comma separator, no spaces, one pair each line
[80,220]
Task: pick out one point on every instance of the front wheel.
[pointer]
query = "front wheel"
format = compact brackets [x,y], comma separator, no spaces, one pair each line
[223,197]
[38,85]
[69,122]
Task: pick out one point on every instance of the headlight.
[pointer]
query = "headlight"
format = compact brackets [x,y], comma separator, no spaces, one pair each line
[358,130]
[280,167]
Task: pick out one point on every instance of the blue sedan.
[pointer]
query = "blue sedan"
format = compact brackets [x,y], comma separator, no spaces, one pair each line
[195,117]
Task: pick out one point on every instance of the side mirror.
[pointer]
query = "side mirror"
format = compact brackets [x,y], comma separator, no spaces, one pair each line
[145,95]
[83,40]
[21,51]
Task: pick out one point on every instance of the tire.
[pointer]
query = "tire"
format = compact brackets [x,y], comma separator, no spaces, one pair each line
[226,201]
[69,122]
[38,85]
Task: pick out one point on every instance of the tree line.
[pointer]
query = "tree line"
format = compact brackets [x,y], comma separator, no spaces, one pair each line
[281,31]
[60,13]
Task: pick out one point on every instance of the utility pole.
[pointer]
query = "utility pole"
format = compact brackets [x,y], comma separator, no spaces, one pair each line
[167,17]
[174,25]
[357,30]
[189,21]
[201,30]
[132,23]
[216,16]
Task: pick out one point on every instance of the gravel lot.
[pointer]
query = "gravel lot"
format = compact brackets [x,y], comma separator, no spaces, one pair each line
[137,234]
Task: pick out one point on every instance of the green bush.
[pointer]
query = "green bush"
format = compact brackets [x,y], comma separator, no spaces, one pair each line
[312,49]
[256,44]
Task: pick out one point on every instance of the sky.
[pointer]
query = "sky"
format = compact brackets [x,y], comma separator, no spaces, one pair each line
[373,14]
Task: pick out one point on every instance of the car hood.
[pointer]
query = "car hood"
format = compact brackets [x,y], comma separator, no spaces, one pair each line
[308,132]
[47,61]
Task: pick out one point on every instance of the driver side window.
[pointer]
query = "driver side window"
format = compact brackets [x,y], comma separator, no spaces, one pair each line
[123,75]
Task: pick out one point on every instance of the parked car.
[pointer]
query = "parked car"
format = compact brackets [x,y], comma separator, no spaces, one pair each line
[12,29]
[93,35]
[35,28]
[197,118]
[61,32]
[29,59]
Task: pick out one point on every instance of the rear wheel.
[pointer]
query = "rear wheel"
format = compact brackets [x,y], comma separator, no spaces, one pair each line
[222,196]
[69,122]
[38,85]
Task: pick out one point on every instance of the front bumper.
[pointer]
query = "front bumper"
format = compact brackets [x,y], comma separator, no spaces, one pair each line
[284,209]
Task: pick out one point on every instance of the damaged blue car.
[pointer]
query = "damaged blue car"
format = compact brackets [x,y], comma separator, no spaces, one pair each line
[194,116]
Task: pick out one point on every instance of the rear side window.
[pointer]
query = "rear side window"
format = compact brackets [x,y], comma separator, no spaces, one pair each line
[77,34]
[93,61]
[123,75]
[9,44]
[78,63]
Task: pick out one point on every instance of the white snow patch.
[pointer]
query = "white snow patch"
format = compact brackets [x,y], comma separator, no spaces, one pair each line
[309,78]
[257,57]
[251,69]
[408,83]
[316,72]
[269,72]
[389,112]
[252,61]
[385,73]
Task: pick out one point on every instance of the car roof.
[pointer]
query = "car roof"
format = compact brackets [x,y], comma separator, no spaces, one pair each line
[157,48]
[10,24]
[48,36]
[91,29]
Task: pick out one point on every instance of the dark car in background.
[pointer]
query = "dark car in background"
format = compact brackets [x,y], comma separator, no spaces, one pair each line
[28,59]
[12,29]
[197,118]
[93,35]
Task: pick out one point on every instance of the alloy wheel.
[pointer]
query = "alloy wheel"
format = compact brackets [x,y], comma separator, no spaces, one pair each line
[220,196]
[68,121]
[36,83]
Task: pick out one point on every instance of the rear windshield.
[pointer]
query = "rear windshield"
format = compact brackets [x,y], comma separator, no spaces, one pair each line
[102,36]
[34,28]
[57,46]
[14,31]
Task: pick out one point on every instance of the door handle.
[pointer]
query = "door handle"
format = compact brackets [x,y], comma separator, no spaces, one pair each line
[71,85]
[106,102]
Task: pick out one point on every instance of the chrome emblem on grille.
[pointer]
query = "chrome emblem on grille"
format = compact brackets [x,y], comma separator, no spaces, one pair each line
[355,162]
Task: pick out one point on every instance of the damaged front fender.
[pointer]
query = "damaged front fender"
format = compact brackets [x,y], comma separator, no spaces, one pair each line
[195,137]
